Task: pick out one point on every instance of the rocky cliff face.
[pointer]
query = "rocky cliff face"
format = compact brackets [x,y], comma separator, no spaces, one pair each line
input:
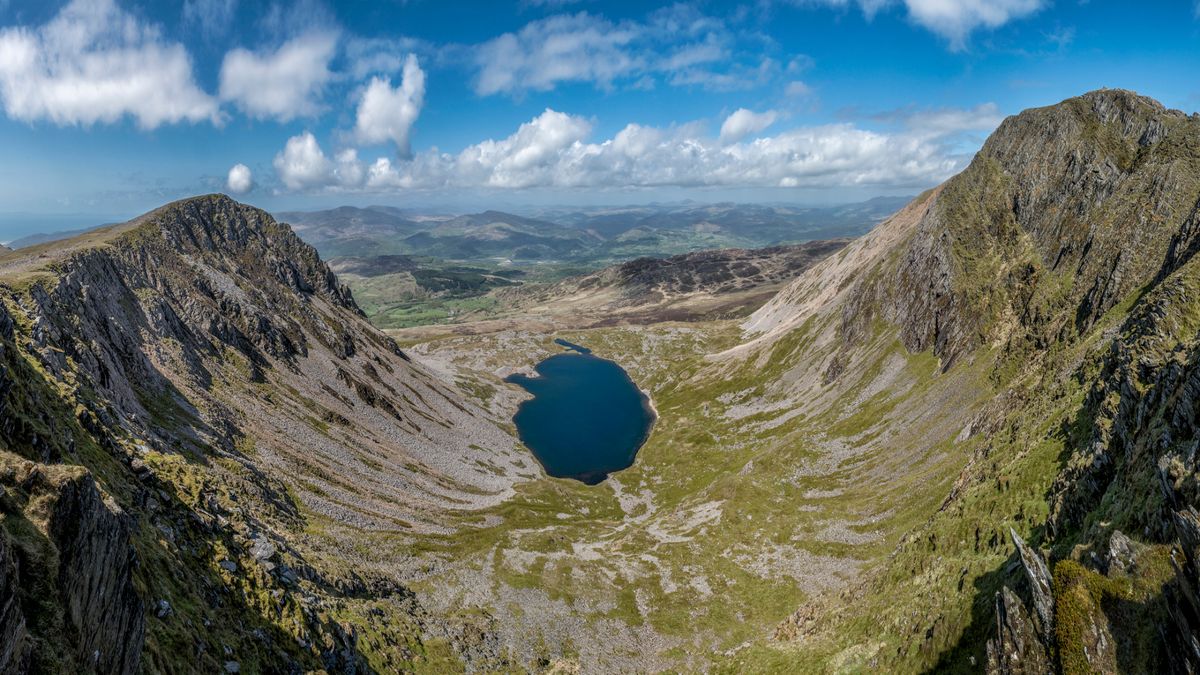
[197,424]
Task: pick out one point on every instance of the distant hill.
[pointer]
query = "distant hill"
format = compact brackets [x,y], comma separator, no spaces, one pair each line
[494,234]
[713,284]
[411,269]
[349,230]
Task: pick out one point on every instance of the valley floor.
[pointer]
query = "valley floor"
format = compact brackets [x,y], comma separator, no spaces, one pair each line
[741,506]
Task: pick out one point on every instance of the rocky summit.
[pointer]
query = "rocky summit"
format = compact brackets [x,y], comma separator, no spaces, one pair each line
[965,441]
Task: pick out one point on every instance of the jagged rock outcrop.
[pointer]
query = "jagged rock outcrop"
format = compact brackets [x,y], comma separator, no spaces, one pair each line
[1040,583]
[105,617]
[1016,648]
[1022,640]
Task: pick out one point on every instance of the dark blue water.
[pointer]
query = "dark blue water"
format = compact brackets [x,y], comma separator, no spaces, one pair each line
[586,419]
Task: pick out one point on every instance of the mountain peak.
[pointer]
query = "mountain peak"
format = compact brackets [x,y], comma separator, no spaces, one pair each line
[216,218]
[1112,121]
[1062,213]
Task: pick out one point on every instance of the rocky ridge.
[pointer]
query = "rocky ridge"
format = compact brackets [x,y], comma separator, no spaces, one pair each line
[202,370]
[1060,266]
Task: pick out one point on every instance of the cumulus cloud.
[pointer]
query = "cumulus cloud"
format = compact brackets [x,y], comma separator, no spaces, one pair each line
[283,84]
[526,158]
[386,113]
[93,62]
[347,169]
[302,164]
[954,20]
[554,150]
[744,122]
[240,180]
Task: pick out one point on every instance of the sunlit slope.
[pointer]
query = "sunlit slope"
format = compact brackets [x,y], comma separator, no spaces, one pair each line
[1058,268]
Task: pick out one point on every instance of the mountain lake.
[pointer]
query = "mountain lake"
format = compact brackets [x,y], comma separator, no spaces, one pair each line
[586,419]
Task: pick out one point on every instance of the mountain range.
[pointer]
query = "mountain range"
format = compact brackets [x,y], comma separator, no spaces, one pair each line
[458,260]
[591,237]
[965,440]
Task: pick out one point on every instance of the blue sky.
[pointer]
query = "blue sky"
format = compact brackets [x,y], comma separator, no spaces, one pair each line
[111,107]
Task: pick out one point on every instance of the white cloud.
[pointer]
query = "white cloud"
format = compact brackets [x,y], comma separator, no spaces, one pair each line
[576,48]
[744,122]
[796,89]
[240,179]
[526,158]
[386,56]
[302,164]
[553,150]
[283,84]
[678,45]
[946,121]
[95,63]
[954,20]
[347,169]
[387,114]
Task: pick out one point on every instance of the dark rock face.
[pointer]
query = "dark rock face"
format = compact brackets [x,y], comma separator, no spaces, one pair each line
[72,583]
[95,578]
[1105,190]
[1062,264]
[15,642]
[205,273]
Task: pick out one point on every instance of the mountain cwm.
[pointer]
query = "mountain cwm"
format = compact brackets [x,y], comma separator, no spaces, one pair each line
[964,441]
